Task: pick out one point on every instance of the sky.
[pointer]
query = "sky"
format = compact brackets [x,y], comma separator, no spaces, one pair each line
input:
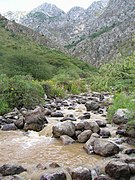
[27,5]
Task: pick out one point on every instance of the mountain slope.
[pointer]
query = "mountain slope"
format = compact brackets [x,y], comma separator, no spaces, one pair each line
[20,54]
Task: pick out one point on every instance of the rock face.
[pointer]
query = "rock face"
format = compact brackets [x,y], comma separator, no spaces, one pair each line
[118,170]
[64,128]
[105,148]
[94,34]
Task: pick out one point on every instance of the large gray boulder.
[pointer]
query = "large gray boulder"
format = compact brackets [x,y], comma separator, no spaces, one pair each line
[35,119]
[84,136]
[63,128]
[118,170]
[105,148]
[121,116]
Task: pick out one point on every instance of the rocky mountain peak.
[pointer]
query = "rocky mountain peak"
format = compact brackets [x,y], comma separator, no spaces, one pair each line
[15,15]
[49,9]
[75,12]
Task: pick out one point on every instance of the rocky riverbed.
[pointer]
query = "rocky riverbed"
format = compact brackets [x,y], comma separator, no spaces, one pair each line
[66,139]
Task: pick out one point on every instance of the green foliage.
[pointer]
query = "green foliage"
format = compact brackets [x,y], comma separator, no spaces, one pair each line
[20,56]
[19,91]
[123,101]
[117,76]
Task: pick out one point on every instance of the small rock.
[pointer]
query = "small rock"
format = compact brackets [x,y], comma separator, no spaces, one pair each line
[54,165]
[57,114]
[81,173]
[58,175]
[8,169]
[84,136]
[92,105]
[85,116]
[91,125]
[105,133]
[9,127]
[67,140]
[120,116]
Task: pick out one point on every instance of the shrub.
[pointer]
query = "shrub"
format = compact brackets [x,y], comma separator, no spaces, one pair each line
[123,100]
[19,91]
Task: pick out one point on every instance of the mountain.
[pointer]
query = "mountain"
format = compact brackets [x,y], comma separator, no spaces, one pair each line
[97,34]
[16,15]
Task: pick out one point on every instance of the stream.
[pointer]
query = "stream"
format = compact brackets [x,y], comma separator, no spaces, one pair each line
[31,148]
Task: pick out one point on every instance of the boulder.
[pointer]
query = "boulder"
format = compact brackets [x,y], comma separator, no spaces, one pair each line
[8,169]
[91,125]
[101,123]
[81,173]
[79,126]
[92,106]
[56,175]
[84,136]
[20,123]
[105,148]
[63,128]
[9,127]
[88,146]
[118,170]
[67,140]
[35,120]
[121,116]
[105,133]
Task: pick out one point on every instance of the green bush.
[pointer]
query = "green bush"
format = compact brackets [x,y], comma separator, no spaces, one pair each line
[19,91]
[123,100]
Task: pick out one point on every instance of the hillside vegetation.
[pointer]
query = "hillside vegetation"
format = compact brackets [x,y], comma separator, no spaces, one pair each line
[28,69]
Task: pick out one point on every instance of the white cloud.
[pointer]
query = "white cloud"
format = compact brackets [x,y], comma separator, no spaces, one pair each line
[27,5]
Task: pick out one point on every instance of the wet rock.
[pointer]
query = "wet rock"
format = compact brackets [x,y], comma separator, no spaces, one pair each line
[68,119]
[9,127]
[58,175]
[54,165]
[47,112]
[102,177]
[64,128]
[92,105]
[120,116]
[81,173]
[67,140]
[118,170]
[84,136]
[77,133]
[132,168]
[91,125]
[8,169]
[85,116]
[57,114]
[88,146]
[41,167]
[35,120]
[129,151]
[101,123]
[20,123]
[105,133]
[79,126]
[105,148]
